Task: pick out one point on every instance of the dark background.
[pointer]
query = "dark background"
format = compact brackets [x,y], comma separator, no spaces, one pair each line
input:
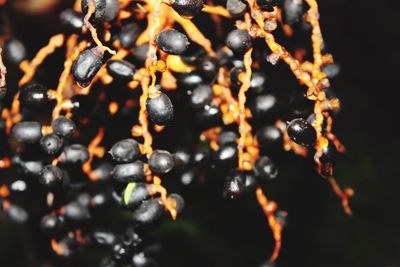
[363,37]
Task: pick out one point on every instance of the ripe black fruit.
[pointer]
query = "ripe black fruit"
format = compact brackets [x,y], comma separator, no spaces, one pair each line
[34,95]
[236,8]
[27,131]
[132,199]
[201,96]
[128,35]
[239,41]
[187,8]
[75,153]
[51,176]
[71,20]
[160,109]
[121,70]
[161,161]
[87,65]
[302,132]
[64,127]
[126,150]
[149,213]
[172,42]
[51,144]
[129,172]
[105,10]
[265,168]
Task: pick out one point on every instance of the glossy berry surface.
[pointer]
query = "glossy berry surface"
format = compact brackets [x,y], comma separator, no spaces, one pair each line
[302,132]
[161,161]
[27,131]
[239,41]
[172,42]
[187,8]
[34,95]
[160,109]
[235,185]
[86,66]
[126,150]
[63,127]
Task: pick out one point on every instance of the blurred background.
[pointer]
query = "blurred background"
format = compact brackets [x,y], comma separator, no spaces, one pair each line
[363,37]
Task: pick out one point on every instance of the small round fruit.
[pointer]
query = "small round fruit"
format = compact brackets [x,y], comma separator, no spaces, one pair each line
[27,132]
[187,8]
[302,132]
[126,150]
[51,144]
[161,161]
[160,109]
[51,176]
[265,169]
[64,127]
[172,42]
[239,41]
[235,185]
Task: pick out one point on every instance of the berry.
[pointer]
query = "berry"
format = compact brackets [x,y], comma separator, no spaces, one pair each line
[103,239]
[161,161]
[292,11]
[329,154]
[76,212]
[14,52]
[121,70]
[129,172]
[71,20]
[140,260]
[149,213]
[268,5]
[51,144]
[189,81]
[264,106]
[75,153]
[34,95]
[302,132]
[128,35]
[269,137]
[51,176]
[265,169]
[27,132]
[126,150]
[87,65]
[227,155]
[236,8]
[172,42]
[64,127]
[201,96]
[179,201]
[239,41]
[52,224]
[136,194]
[160,109]
[187,8]
[227,137]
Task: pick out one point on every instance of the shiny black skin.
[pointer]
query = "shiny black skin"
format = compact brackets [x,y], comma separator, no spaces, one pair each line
[239,41]
[172,42]
[129,172]
[51,176]
[51,144]
[75,153]
[27,132]
[125,151]
[235,185]
[202,95]
[149,213]
[209,116]
[161,161]
[72,21]
[34,95]
[234,77]
[265,169]
[329,154]
[138,195]
[302,132]
[86,66]
[120,252]
[14,52]
[251,182]
[16,214]
[105,10]
[128,35]
[182,158]
[31,167]
[52,224]
[187,8]
[292,11]
[121,70]
[64,127]
[160,109]
[236,8]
